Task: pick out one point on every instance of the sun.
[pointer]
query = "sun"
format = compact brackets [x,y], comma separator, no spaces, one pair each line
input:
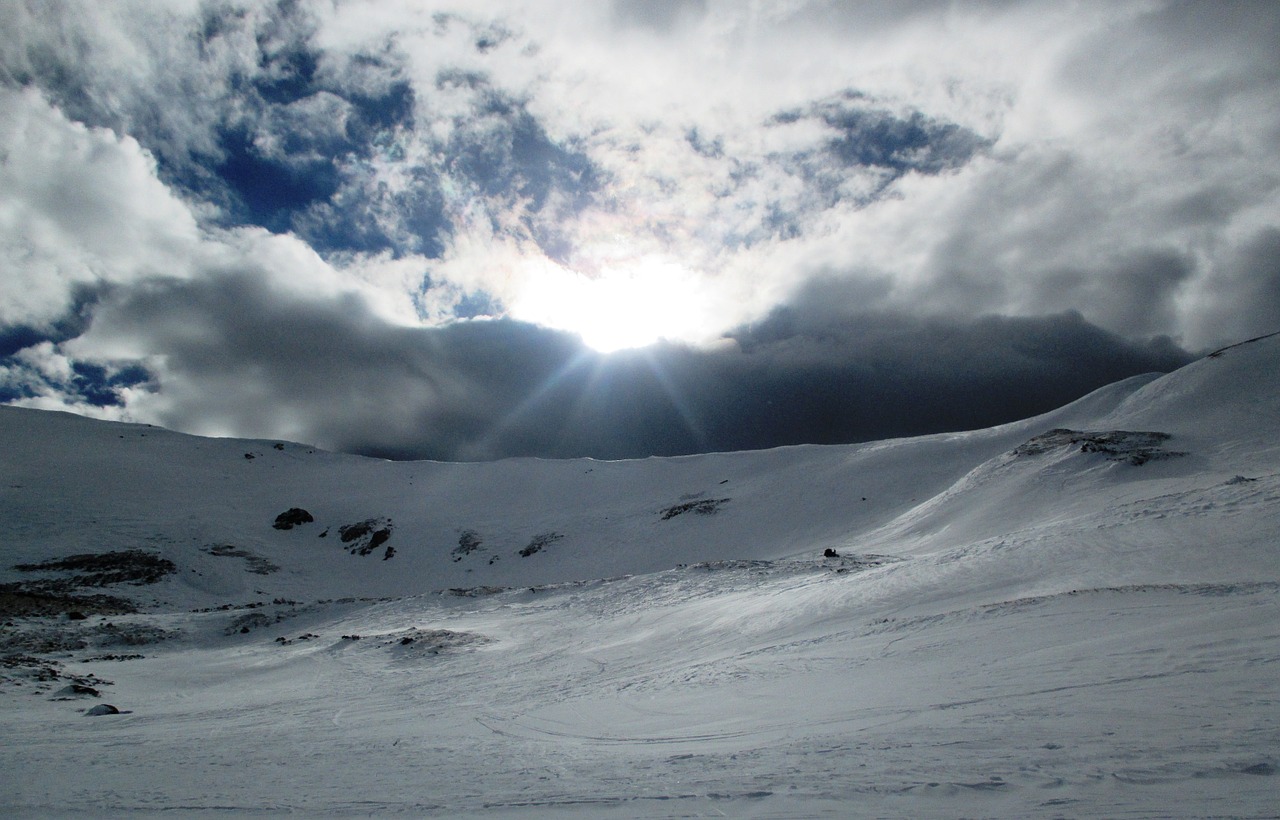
[623,307]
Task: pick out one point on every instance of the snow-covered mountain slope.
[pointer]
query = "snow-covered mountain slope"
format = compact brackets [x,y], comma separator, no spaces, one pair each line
[1071,615]
[78,485]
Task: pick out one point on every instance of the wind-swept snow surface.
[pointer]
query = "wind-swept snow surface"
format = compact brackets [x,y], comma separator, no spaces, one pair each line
[1075,615]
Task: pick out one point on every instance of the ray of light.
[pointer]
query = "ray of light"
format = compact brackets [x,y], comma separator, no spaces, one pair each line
[583,359]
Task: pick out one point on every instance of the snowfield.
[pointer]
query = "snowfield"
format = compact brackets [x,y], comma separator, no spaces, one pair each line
[1076,615]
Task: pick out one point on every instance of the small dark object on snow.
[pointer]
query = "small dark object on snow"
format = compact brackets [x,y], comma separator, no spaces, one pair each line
[830,553]
[292,517]
[248,456]
[76,615]
[102,709]
[278,446]
[405,641]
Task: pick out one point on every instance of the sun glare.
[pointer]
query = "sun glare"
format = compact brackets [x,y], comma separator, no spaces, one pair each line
[621,308]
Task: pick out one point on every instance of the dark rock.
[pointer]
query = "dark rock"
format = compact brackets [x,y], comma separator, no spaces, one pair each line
[77,690]
[292,517]
[830,553]
[76,615]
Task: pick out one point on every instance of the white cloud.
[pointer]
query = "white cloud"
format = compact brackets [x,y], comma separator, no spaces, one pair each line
[78,207]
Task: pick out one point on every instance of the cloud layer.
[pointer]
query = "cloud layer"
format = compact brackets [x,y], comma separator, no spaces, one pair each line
[378,225]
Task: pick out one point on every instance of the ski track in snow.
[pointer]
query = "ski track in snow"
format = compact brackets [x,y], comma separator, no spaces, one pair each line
[1003,635]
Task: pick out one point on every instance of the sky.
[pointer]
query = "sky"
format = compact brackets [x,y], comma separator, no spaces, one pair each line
[476,230]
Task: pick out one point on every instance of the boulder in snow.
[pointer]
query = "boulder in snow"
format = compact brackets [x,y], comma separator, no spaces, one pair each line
[292,517]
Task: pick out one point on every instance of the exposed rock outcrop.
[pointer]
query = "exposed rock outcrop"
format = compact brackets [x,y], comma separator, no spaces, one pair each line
[292,517]
[364,537]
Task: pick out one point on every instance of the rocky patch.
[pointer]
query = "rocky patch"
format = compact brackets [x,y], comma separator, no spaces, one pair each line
[1130,446]
[468,542]
[253,562]
[111,635]
[475,592]
[729,564]
[363,537]
[134,567]
[539,542]
[42,674]
[244,624]
[855,562]
[705,506]
[420,643]
[16,599]
[45,636]
[61,591]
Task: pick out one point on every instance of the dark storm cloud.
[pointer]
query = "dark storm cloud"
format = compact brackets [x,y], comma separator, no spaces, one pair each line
[1139,294]
[240,355]
[858,379]
[1246,292]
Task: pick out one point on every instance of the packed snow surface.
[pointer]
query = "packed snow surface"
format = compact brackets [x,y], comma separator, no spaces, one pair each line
[1073,615]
